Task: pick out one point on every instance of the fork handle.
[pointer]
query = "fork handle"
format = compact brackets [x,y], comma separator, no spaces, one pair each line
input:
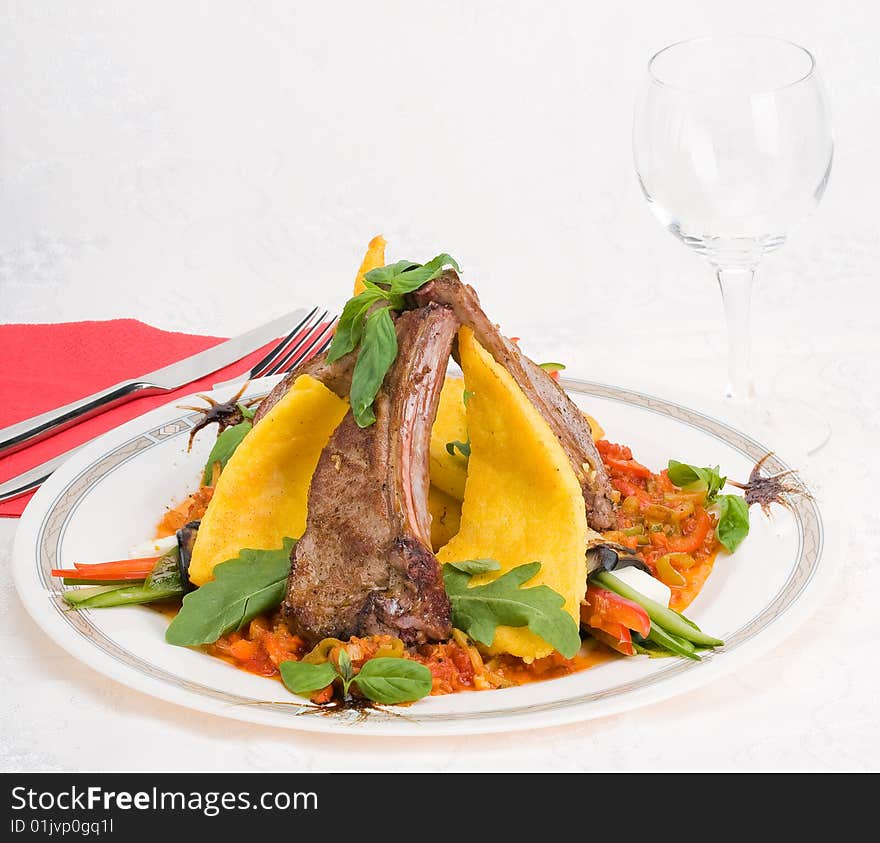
[31,430]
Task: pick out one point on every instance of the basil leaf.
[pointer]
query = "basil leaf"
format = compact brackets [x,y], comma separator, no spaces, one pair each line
[412,279]
[476,566]
[242,588]
[692,476]
[303,678]
[378,351]
[479,610]
[351,324]
[733,521]
[386,274]
[394,680]
[464,447]
[225,447]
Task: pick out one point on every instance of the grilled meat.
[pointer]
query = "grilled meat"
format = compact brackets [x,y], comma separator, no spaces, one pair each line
[364,565]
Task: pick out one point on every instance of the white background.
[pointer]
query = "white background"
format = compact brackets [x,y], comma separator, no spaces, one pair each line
[204,166]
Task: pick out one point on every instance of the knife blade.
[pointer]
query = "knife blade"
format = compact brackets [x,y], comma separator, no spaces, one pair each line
[166,379]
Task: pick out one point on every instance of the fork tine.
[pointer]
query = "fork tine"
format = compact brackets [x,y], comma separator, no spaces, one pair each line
[306,325]
[319,345]
[299,350]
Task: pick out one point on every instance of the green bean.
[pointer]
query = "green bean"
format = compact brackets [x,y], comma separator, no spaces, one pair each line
[672,643]
[670,620]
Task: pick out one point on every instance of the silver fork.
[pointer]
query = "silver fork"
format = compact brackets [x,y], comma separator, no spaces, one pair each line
[312,336]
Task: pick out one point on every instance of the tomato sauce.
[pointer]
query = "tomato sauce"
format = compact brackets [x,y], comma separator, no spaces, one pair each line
[665,526]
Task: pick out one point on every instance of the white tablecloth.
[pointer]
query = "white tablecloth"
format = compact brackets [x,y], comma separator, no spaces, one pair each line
[207,167]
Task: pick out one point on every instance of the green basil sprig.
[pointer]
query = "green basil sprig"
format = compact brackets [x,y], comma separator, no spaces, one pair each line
[693,477]
[242,588]
[733,521]
[480,609]
[385,680]
[733,511]
[374,332]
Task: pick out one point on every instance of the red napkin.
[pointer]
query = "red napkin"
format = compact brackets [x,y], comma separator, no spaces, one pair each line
[46,366]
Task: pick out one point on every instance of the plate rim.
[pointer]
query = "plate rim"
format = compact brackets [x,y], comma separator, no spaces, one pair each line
[676,679]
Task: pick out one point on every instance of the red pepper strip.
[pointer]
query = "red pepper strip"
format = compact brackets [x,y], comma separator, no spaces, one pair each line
[121,569]
[619,640]
[628,489]
[631,467]
[699,525]
[605,609]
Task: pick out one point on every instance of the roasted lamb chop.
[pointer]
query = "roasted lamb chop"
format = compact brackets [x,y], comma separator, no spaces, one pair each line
[364,565]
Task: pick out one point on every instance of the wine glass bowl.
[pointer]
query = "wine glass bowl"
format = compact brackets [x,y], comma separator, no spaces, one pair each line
[732,143]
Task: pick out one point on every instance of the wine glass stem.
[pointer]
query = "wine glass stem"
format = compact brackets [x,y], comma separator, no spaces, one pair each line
[736,290]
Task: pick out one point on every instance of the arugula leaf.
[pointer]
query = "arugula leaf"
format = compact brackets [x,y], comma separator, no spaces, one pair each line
[242,588]
[479,610]
[464,447]
[304,678]
[225,447]
[733,521]
[394,680]
[378,351]
[692,476]
[476,566]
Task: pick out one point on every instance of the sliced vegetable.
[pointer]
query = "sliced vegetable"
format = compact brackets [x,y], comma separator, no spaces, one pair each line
[163,583]
[673,643]
[667,573]
[122,569]
[602,608]
[616,636]
[670,620]
[697,528]
[631,467]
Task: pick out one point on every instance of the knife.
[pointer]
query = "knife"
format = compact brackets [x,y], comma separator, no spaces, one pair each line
[167,379]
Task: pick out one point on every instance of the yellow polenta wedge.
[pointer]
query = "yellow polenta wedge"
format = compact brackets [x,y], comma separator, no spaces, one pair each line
[448,471]
[373,259]
[262,494]
[522,501]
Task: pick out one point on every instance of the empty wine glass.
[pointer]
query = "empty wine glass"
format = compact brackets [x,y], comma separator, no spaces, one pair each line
[732,145]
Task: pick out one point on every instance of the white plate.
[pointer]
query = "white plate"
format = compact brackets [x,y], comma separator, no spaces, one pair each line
[111,494]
